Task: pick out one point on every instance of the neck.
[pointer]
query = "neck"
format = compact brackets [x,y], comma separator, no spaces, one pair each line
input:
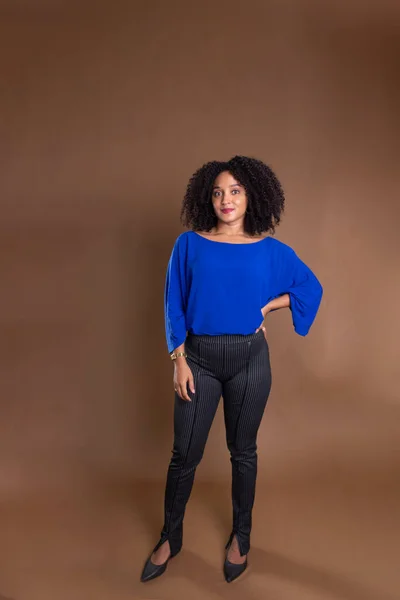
[230,228]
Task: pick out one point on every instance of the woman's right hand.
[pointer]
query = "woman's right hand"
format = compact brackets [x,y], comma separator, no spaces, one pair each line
[183,377]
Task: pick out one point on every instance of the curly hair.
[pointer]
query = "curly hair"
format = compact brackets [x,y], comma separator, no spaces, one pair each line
[265,196]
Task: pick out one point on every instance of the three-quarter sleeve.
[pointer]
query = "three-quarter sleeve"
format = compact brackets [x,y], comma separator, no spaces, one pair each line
[304,289]
[175,297]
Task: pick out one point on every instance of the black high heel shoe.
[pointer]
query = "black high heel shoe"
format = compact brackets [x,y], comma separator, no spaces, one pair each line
[151,571]
[233,571]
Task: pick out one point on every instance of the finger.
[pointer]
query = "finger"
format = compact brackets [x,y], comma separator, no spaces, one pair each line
[191,383]
[177,388]
[184,392]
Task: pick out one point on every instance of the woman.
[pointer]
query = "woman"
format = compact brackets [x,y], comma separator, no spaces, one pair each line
[224,276]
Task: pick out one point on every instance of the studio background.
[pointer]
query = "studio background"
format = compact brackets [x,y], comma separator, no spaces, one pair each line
[106,110]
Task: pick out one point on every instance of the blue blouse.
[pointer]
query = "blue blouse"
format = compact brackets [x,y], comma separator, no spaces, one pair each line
[216,288]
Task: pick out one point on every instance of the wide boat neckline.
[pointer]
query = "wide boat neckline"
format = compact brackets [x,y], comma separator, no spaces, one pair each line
[231,243]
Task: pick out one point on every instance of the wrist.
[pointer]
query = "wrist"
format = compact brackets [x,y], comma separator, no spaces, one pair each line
[180,361]
[267,309]
[178,354]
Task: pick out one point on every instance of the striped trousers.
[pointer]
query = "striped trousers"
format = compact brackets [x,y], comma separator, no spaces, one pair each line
[236,367]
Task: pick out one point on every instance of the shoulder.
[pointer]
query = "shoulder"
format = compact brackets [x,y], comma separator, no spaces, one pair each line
[280,248]
[181,244]
[182,239]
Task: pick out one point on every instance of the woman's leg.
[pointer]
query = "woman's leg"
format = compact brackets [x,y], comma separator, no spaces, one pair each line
[245,397]
[192,423]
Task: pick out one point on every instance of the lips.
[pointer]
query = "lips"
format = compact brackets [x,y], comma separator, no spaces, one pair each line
[226,211]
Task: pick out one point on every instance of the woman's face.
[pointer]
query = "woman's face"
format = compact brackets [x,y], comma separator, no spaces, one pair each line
[229,198]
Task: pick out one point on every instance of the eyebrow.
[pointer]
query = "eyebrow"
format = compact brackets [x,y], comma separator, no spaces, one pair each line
[216,187]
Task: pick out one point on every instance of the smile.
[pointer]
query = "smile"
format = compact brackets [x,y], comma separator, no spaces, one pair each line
[227,210]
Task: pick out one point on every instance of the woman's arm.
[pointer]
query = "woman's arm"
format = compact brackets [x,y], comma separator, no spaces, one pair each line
[175,320]
[303,288]
[183,376]
[294,286]
[175,297]
[277,303]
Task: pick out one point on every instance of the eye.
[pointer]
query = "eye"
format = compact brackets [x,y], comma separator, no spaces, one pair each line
[235,191]
[217,193]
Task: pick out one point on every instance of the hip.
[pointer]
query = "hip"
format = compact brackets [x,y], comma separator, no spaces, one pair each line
[229,353]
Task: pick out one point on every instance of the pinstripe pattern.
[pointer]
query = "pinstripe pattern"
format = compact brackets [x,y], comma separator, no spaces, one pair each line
[237,368]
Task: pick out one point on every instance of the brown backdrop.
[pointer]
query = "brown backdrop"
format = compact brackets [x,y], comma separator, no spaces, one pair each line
[106,110]
[105,114]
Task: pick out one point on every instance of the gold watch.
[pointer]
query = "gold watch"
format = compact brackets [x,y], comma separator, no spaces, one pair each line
[175,355]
